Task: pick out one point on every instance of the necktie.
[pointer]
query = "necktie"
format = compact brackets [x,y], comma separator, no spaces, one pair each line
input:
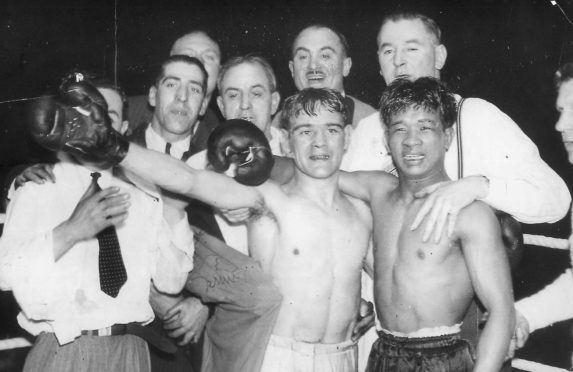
[168,148]
[112,274]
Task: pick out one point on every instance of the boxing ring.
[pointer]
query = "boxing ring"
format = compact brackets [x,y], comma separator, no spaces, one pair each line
[518,364]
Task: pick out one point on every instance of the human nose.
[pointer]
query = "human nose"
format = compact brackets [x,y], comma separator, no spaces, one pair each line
[318,138]
[398,59]
[412,138]
[565,121]
[182,93]
[313,61]
[245,102]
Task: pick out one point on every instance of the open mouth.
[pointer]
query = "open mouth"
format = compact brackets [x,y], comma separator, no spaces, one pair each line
[319,157]
[315,75]
[413,157]
[180,113]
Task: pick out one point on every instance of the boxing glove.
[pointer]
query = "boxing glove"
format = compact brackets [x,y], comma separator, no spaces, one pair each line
[75,120]
[241,145]
[512,237]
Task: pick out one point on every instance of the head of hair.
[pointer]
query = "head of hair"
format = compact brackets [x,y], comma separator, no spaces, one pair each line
[431,25]
[425,93]
[99,81]
[340,35]
[563,74]
[252,59]
[192,61]
[311,101]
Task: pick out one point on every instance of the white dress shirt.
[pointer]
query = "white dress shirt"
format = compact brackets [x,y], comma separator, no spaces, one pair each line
[64,296]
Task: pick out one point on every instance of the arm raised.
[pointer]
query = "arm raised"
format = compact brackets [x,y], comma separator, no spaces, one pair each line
[173,175]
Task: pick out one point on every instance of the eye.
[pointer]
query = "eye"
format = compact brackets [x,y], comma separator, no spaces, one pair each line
[326,56]
[257,93]
[387,51]
[333,130]
[302,57]
[196,89]
[232,95]
[170,84]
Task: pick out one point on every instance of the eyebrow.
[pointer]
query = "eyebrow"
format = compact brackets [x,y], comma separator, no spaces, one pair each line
[176,78]
[311,125]
[384,45]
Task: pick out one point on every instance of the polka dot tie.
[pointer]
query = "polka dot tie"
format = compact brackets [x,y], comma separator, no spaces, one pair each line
[112,274]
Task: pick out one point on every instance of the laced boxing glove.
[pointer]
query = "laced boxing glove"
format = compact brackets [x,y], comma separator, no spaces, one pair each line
[512,237]
[242,147]
[76,121]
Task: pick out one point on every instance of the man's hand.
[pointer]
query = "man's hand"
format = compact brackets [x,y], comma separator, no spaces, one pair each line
[37,173]
[97,211]
[365,320]
[444,200]
[520,334]
[187,319]
[94,212]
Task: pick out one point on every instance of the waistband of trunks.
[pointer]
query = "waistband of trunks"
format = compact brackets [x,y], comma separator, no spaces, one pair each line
[310,347]
[427,332]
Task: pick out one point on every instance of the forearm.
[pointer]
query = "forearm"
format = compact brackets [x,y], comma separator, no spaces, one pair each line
[161,302]
[160,169]
[494,340]
[63,239]
[552,304]
[173,175]
[542,197]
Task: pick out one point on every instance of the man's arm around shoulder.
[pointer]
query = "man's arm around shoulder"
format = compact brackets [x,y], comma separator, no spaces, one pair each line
[366,185]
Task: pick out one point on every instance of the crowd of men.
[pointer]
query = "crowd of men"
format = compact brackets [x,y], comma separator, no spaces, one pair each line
[131,253]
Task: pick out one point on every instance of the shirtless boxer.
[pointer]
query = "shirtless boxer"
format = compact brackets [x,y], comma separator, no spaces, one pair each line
[423,289]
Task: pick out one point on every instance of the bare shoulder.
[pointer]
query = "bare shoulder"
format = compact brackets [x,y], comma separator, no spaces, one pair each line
[476,218]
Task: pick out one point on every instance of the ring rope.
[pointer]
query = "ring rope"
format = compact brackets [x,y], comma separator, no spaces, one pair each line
[526,365]
[545,241]
[14,343]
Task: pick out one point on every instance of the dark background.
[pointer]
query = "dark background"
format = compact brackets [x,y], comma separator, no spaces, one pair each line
[502,51]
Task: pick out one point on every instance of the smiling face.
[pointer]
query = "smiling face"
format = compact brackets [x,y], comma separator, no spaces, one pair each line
[407,49]
[317,143]
[246,93]
[418,142]
[205,49]
[178,98]
[319,60]
[564,125]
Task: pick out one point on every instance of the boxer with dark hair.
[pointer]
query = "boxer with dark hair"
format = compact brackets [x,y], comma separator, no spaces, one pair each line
[423,289]
[80,260]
